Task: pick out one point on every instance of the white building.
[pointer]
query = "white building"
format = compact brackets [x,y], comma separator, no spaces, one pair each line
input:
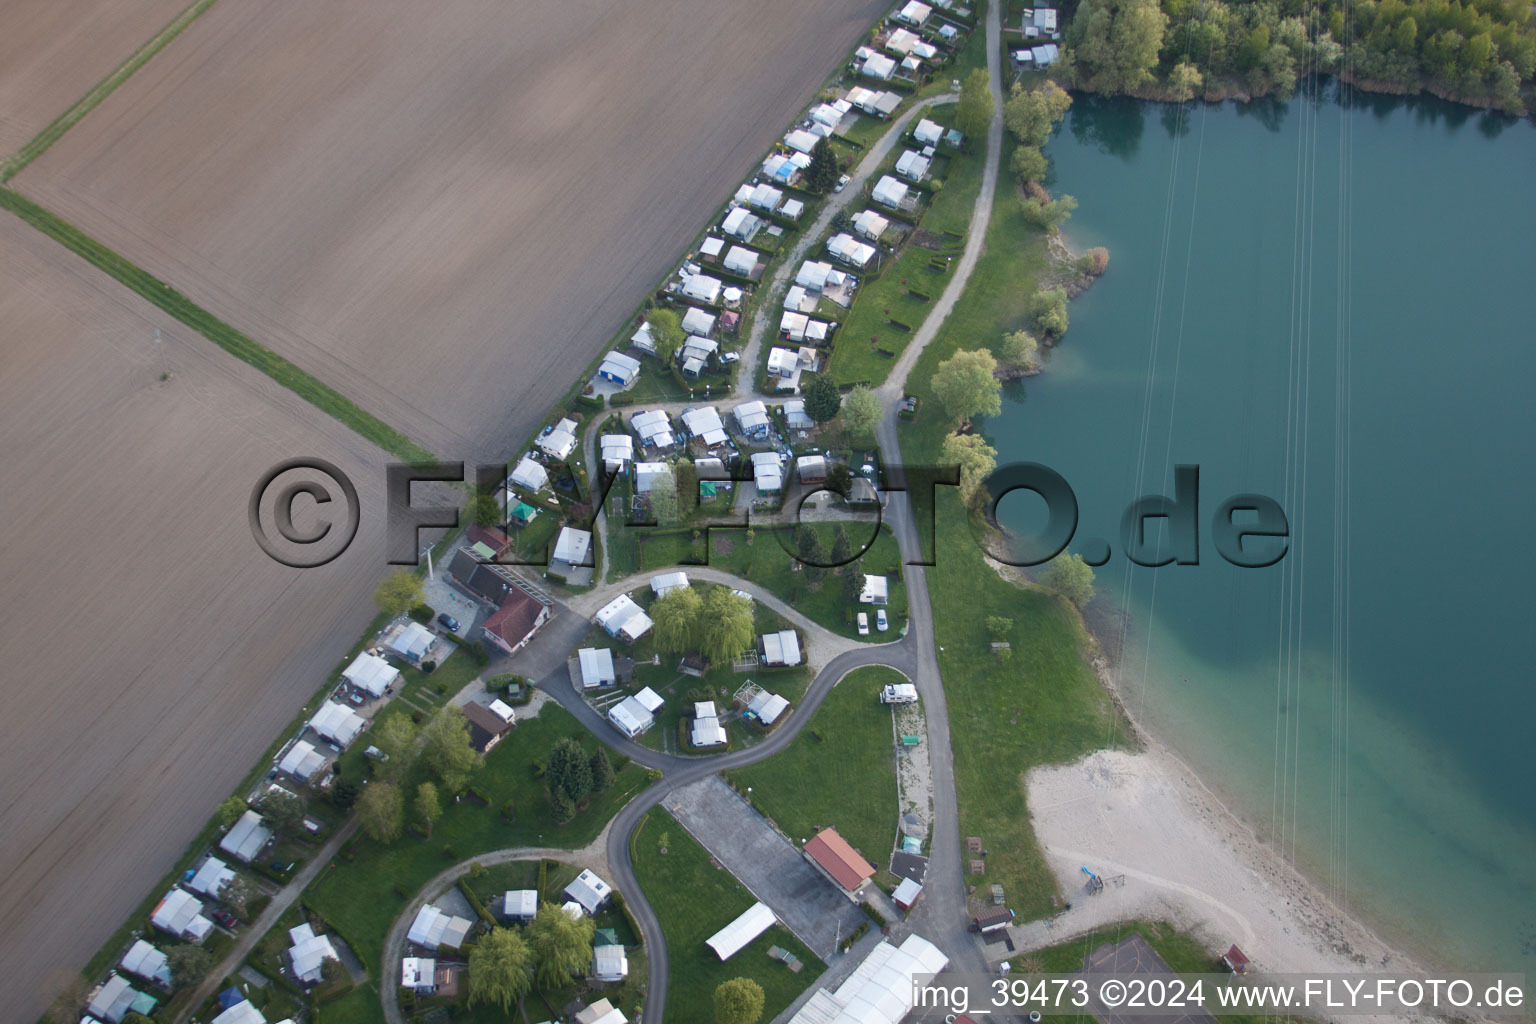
[637,713]
[876,590]
[782,362]
[642,339]
[767,472]
[1045,55]
[900,42]
[753,418]
[702,288]
[418,973]
[371,674]
[147,962]
[870,224]
[781,648]
[337,723]
[302,761]
[112,999]
[741,224]
[433,929]
[792,209]
[766,197]
[767,707]
[181,914]
[601,1012]
[698,322]
[737,935]
[620,368]
[711,246]
[813,275]
[850,250]
[669,581]
[795,415]
[245,838]
[609,964]
[520,904]
[595,666]
[899,693]
[740,260]
[211,877]
[587,888]
[706,730]
[889,192]
[914,13]
[623,618]
[912,165]
[704,423]
[243,1012]
[561,439]
[802,140]
[928,133]
[647,473]
[572,546]
[309,952]
[617,450]
[654,428]
[529,475]
[880,989]
[879,66]
[411,641]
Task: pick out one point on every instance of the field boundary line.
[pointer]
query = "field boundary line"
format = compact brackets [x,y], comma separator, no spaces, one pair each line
[100,91]
[230,339]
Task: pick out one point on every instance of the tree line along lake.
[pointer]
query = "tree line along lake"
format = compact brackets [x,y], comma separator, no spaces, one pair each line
[1326,300]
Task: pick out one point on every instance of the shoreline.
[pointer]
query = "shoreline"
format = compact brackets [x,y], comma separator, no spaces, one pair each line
[1186,855]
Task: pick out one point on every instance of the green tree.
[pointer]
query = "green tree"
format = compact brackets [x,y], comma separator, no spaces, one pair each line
[381,812]
[1071,577]
[230,811]
[482,511]
[602,770]
[686,477]
[842,547]
[237,895]
[1047,311]
[561,807]
[727,625]
[666,506]
[738,1001]
[1028,163]
[1032,114]
[500,969]
[966,385]
[189,964]
[999,626]
[840,479]
[282,812]
[811,554]
[1115,43]
[666,332]
[344,793]
[400,590]
[332,973]
[1184,81]
[569,770]
[822,398]
[1048,214]
[853,581]
[976,460]
[1019,348]
[861,411]
[1094,261]
[428,807]
[675,615]
[446,749]
[396,739]
[822,172]
[561,946]
[974,111]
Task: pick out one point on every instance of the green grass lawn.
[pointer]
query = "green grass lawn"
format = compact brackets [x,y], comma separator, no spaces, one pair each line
[889,297]
[694,899]
[768,562]
[1044,705]
[361,898]
[841,771]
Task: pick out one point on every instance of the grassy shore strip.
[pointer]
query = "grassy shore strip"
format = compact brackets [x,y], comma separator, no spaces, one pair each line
[1044,705]
[236,343]
[100,91]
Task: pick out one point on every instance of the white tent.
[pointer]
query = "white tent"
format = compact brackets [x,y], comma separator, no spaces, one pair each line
[880,989]
[669,581]
[802,140]
[781,648]
[642,339]
[112,999]
[617,450]
[740,260]
[529,475]
[928,132]
[702,287]
[707,732]
[766,197]
[870,224]
[753,417]
[647,473]
[432,929]
[595,667]
[560,441]
[622,617]
[879,66]
[876,590]
[767,474]
[336,723]
[572,545]
[850,250]
[741,223]
[619,368]
[181,914]
[371,674]
[309,952]
[767,707]
[243,1012]
[1045,55]
[609,964]
[589,890]
[412,641]
[520,904]
[654,428]
[246,837]
[795,415]
[734,937]
[147,962]
[889,192]
[813,275]
[912,165]
[914,13]
[211,878]
[302,761]
[696,321]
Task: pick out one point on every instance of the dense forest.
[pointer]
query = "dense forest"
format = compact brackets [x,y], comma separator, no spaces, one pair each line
[1481,52]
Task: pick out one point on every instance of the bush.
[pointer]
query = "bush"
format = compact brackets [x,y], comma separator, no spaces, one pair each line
[421,613]
[428,667]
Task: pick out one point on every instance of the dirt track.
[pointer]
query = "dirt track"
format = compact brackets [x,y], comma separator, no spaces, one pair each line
[440,209]
[53,51]
[152,652]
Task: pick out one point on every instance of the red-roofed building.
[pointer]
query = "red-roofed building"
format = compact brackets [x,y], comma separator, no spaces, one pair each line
[490,537]
[513,624]
[1236,962]
[840,862]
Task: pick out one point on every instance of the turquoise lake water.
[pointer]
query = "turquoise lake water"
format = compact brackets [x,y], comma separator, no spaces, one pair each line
[1334,308]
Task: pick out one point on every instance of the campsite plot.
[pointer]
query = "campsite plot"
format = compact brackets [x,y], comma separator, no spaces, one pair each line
[152,650]
[439,209]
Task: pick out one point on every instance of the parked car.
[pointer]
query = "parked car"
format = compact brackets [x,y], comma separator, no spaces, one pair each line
[448,622]
[730,357]
[881,622]
[224,919]
[863,624]
[842,183]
